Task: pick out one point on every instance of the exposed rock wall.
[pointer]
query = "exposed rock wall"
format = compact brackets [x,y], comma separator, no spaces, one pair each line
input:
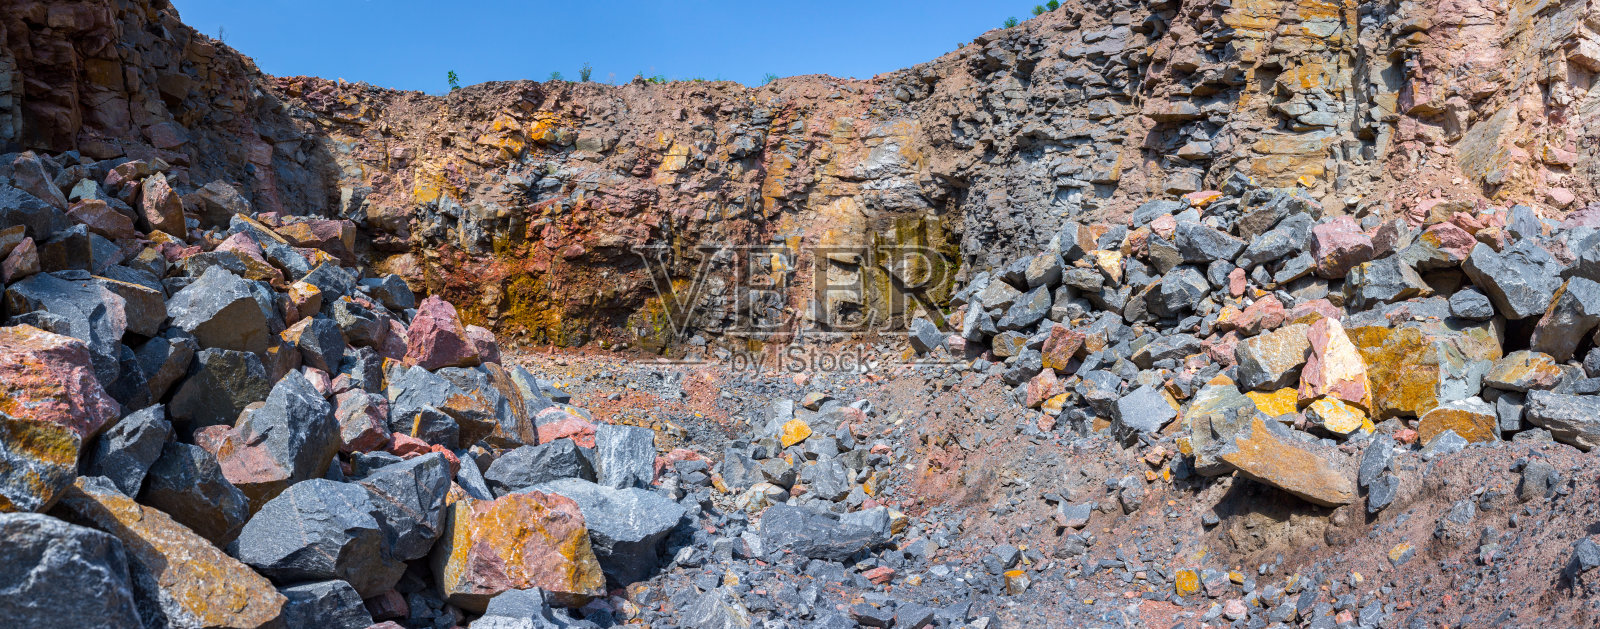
[525,201]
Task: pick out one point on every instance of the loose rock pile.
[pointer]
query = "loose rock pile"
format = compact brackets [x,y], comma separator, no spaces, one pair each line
[215,418]
[1254,335]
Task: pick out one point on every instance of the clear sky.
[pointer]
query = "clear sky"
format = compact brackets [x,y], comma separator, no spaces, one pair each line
[412,44]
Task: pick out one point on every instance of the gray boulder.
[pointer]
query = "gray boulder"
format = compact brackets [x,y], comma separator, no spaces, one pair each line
[625,456]
[92,314]
[1028,310]
[813,534]
[187,483]
[324,605]
[124,452]
[1471,304]
[1143,411]
[1520,280]
[925,336]
[318,530]
[409,498]
[1573,313]
[165,359]
[626,526]
[1571,419]
[54,574]
[221,311]
[321,345]
[391,291]
[221,383]
[1382,281]
[527,466]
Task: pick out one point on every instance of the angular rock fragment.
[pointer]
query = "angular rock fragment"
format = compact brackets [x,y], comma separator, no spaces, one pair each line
[1471,418]
[1520,280]
[1572,314]
[1571,419]
[1217,412]
[325,605]
[196,583]
[125,452]
[221,311]
[1415,367]
[925,336]
[50,378]
[317,530]
[1334,368]
[1523,371]
[437,339]
[92,313]
[1272,459]
[220,385]
[409,503]
[1272,360]
[187,483]
[528,466]
[1383,281]
[625,456]
[813,534]
[517,541]
[84,570]
[626,526]
[363,419]
[1143,411]
[1339,245]
[290,438]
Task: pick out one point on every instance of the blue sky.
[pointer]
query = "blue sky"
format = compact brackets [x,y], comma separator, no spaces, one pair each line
[412,44]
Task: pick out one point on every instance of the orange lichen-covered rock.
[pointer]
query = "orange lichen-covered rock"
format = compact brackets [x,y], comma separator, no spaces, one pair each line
[1523,371]
[1472,418]
[518,541]
[38,462]
[1060,347]
[198,583]
[1275,403]
[1335,368]
[794,431]
[1419,364]
[47,377]
[1282,463]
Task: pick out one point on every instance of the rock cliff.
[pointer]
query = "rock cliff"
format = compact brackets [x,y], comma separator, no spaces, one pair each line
[489,194]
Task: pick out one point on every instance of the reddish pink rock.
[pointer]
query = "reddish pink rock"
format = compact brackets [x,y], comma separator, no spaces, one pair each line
[483,340]
[21,262]
[319,380]
[166,135]
[163,210]
[1043,387]
[1450,241]
[1338,245]
[337,238]
[558,423]
[401,444]
[28,173]
[437,339]
[879,575]
[393,345]
[243,245]
[48,377]
[1164,226]
[126,175]
[1266,314]
[1335,367]
[1062,345]
[1221,350]
[1316,306]
[103,220]
[363,421]
[386,606]
[1236,283]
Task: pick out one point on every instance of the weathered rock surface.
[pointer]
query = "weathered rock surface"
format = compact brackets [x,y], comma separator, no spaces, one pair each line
[317,530]
[45,562]
[197,584]
[517,541]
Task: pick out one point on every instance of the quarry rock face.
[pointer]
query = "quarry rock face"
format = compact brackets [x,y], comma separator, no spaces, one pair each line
[1214,312]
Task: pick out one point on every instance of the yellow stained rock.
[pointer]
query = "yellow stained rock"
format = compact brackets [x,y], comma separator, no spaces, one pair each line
[1409,365]
[1335,367]
[197,581]
[794,431]
[1261,455]
[1335,416]
[517,541]
[1473,419]
[1284,401]
[1187,583]
[1055,405]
